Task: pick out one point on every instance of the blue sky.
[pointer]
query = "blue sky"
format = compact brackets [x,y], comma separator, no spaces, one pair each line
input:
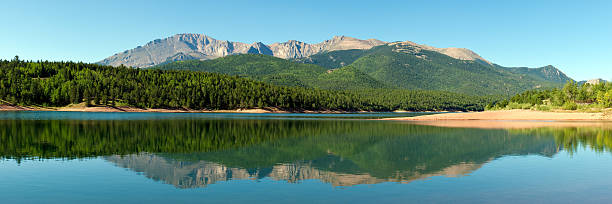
[575,36]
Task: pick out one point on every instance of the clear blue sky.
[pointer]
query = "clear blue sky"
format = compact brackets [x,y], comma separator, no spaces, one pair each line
[575,36]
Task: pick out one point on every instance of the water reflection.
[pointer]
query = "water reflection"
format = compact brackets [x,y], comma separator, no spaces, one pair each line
[192,153]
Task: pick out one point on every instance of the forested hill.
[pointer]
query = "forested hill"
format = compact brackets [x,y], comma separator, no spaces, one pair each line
[63,83]
[392,66]
[546,73]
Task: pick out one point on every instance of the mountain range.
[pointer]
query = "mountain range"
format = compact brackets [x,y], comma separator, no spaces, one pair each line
[200,46]
[342,63]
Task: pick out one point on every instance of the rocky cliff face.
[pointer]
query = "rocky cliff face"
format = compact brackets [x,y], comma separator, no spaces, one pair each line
[296,49]
[199,46]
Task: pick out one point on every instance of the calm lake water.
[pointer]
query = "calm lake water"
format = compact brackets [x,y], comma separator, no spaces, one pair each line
[67,157]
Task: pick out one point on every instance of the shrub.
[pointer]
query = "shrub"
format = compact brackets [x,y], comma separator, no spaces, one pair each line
[542,108]
[569,106]
[514,105]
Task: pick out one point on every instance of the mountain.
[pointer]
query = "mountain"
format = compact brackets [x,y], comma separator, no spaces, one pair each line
[200,46]
[335,59]
[342,63]
[410,66]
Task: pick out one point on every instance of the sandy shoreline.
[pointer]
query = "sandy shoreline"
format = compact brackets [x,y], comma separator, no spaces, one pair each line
[513,124]
[511,115]
[511,119]
[82,108]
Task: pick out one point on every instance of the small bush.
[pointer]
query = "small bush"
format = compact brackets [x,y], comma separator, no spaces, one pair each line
[542,108]
[514,105]
[569,106]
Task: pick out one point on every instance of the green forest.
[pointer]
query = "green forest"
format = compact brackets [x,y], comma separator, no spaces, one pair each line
[57,84]
[573,96]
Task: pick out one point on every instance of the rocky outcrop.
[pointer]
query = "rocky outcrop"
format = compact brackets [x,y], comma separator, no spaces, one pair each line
[595,81]
[457,53]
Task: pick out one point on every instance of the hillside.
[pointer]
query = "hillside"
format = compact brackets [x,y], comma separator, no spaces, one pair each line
[547,73]
[407,67]
[334,59]
[280,72]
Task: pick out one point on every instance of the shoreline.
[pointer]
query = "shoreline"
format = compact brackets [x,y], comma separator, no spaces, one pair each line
[512,119]
[127,109]
[502,119]
[511,115]
[513,124]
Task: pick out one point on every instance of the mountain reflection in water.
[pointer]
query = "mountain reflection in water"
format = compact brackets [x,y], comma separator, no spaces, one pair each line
[202,173]
[195,153]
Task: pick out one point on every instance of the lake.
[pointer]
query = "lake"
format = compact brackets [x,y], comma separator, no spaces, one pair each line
[70,157]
